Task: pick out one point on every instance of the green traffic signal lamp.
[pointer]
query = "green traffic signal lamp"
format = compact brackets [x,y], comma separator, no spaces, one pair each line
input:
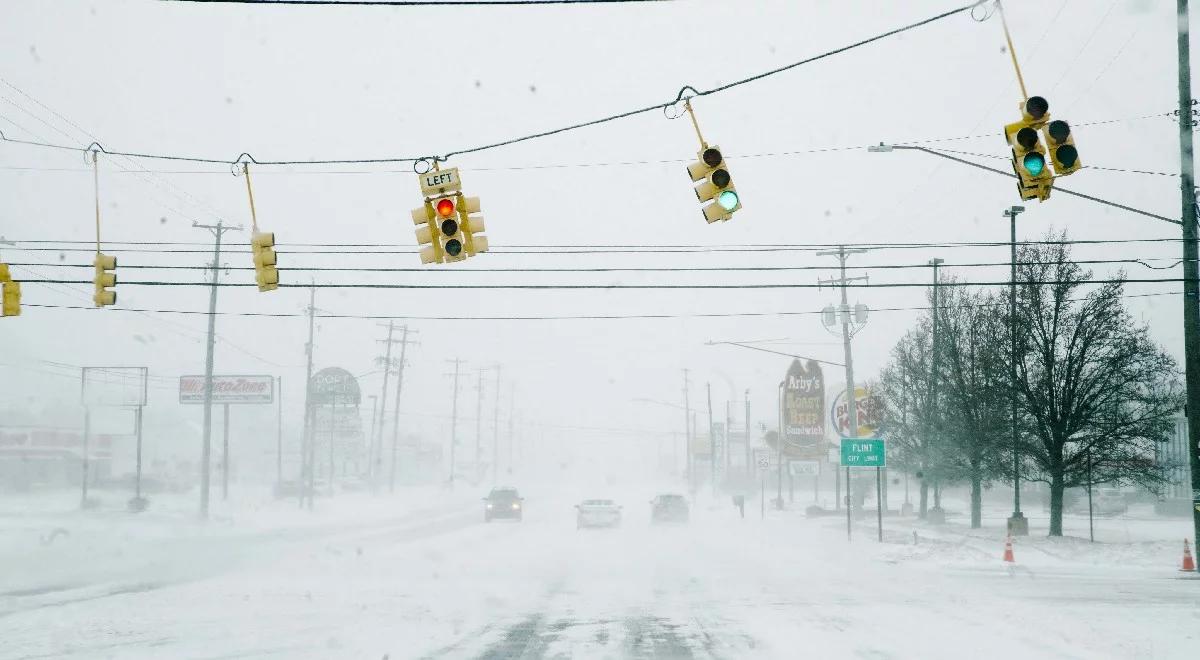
[1034,163]
[728,199]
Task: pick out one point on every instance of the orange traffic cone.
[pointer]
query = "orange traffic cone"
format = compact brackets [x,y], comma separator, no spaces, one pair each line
[1188,563]
[1008,553]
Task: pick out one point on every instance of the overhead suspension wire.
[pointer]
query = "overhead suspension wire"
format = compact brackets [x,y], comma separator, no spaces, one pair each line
[580,317]
[551,166]
[685,93]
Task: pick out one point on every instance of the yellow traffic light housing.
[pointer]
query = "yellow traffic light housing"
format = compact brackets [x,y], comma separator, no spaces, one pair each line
[423,217]
[266,275]
[12,298]
[472,226]
[1028,154]
[715,189]
[105,278]
[10,293]
[447,230]
[1061,144]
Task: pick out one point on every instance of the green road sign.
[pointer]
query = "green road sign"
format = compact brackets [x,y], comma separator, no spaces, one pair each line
[863,452]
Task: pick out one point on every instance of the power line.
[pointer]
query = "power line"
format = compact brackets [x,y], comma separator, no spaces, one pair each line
[583,317]
[631,269]
[414,3]
[396,248]
[681,96]
[603,287]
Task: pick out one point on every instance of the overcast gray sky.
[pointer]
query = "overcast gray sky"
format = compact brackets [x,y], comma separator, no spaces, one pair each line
[345,82]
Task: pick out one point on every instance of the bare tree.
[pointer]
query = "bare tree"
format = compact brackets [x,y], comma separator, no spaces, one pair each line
[907,411]
[974,371]
[1090,382]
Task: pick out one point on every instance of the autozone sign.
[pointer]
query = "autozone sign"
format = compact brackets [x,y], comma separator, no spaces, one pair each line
[228,389]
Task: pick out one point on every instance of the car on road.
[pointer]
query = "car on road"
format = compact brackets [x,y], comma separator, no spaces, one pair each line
[1109,502]
[503,502]
[597,513]
[669,508]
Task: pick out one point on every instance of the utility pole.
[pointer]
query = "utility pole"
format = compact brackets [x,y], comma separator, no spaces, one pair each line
[512,402]
[374,412]
[688,429]
[496,429]
[478,423]
[712,442]
[844,312]
[749,467]
[728,437]
[934,375]
[218,231]
[454,419]
[377,439]
[279,430]
[404,342]
[1018,524]
[1191,288]
[306,443]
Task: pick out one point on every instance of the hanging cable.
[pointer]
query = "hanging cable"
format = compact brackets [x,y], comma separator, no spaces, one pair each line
[246,157]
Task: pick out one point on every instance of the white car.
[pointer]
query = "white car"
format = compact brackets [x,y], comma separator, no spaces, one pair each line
[597,513]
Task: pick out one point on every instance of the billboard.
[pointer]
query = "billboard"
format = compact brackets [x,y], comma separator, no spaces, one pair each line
[228,389]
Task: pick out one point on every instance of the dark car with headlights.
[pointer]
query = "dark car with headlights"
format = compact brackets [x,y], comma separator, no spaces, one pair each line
[503,502]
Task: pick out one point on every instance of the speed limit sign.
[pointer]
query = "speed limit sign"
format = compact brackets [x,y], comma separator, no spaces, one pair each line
[763,459]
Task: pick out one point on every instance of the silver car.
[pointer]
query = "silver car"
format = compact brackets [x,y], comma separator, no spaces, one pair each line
[597,513]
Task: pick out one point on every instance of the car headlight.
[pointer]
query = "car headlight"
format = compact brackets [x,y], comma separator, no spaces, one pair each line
[489,505]
[516,505]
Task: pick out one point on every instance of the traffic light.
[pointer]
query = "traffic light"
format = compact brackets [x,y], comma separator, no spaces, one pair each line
[450,236]
[10,293]
[424,217]
[266,275]
[1028,154]
[1062,147]
[471,225]
[716,185]
[449,232]
[105,277]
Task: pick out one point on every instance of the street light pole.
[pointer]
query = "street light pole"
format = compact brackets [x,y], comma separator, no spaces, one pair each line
[1018,524]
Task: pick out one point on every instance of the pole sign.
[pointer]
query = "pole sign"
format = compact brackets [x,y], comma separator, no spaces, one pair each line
[863,452]
[803,406]
[804,468]
[762,458]
[228,389]
[868,407]
[334,386]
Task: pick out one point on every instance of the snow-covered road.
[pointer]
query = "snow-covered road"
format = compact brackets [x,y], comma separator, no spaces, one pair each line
[426,578]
